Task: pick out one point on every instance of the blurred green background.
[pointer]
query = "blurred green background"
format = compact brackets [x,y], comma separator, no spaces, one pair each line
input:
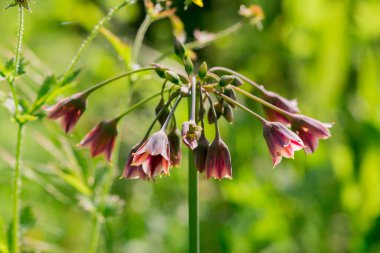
[325,53]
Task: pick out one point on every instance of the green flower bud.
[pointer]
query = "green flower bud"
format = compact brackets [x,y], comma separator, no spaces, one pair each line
[179,48]
[228,113]
[172,77]
[189,66]
[237,81]
[226,80]
[203,70]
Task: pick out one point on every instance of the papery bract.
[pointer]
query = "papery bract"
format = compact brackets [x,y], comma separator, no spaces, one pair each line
[101,139]
[218,161]
[69,109]
[154,155]
[281,141]
[310,131]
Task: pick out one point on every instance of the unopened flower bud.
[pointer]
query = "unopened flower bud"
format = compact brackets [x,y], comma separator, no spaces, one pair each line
[218,107]
[160,71]
[172,77]
[174,138]
[228,113]
[237,81]
[189,66]
[231,94]
[226,80]
[211,78]
[203,70]
[179,48]
[200,153]
[164,114]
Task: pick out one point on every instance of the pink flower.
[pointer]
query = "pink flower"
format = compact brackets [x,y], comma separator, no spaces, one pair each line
[131,171]
[281,141]
[281,102]
[101,139]
[200,153]
[174,138]
[69,109]
[191,133]
[310,131]
[218,161]
[154,155]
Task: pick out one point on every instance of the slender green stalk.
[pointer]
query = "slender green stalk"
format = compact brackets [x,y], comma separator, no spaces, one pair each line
[90,38]
[16,192]
[95,235]
[216,36]
[139,38]
[201,44]
[264,121]
[18,57]
[166,123]
[99,85]
[263,102]
[193,200]
[139,104]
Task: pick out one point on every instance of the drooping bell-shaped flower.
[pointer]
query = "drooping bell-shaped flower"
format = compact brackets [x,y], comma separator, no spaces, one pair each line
[174,138]
[191,133]
[69,109]
[218,161]
[200,153]
[101,139]
[281,102]
[132,171]
[281,141]
[154,155]
[310,131]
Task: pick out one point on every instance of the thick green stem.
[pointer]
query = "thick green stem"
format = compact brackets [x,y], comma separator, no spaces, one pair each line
[16,191]
[90,38]
[193,201]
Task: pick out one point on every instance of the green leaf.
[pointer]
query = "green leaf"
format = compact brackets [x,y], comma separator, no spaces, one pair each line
[46,87]
[122,48]
[70,78]
[75,182]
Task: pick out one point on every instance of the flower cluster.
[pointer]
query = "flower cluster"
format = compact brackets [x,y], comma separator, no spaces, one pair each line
[211,93]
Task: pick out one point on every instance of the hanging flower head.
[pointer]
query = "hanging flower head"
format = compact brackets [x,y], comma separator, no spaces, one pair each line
[191,133]
[69,110]
[174,138]
[310,131]
[101,139]
[281,141]
[133,171]
[154,155]
[218,161]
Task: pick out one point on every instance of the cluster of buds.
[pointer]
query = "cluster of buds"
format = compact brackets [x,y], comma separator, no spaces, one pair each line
[285,130]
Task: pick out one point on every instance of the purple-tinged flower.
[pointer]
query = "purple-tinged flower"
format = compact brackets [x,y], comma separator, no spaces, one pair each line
[200,153]
[69,109]
[132,171]
[101,139]
[218,161]
[154,155]
[310,131]
[174,138]
[281,141]
[191,133]
[281,102]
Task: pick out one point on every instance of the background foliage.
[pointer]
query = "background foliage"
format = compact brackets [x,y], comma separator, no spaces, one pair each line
[325,53]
